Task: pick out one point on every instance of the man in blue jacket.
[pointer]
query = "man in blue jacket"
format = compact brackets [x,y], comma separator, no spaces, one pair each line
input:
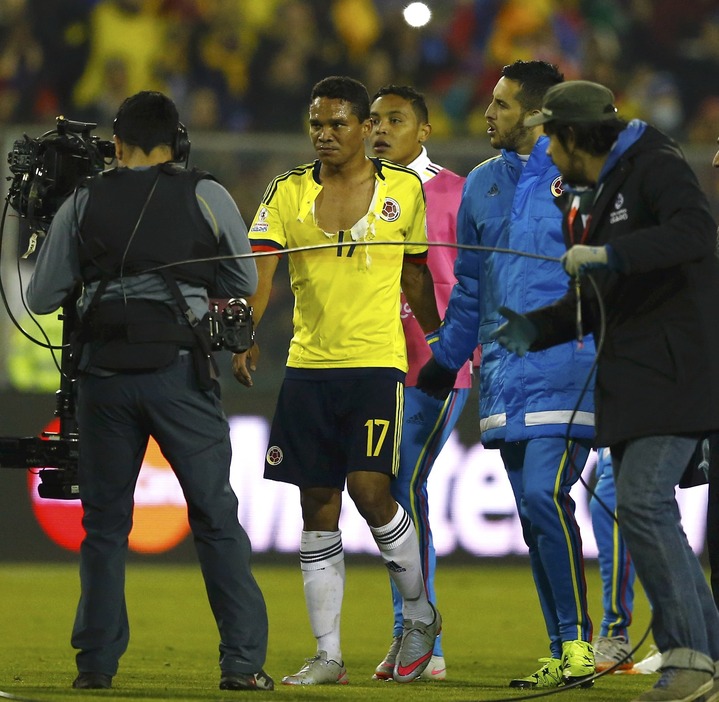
[533,409]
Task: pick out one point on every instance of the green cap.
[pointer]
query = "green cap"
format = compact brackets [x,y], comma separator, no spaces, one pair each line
[575,101]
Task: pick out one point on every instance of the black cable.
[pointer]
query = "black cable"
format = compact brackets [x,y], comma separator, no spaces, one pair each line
[343,244]
[5,300]
[228,257]
[598,346]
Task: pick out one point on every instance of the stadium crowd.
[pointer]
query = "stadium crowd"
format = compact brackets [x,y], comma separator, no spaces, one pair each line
[248,66]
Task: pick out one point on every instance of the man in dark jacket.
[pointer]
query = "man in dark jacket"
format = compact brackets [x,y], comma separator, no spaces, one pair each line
[642,259]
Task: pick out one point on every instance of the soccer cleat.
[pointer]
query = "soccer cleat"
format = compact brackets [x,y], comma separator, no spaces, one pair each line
[549,675]
[679,685]
[416,648]
[92,681]
[318,670]
[385,669]
[435,670]
[612,652]
[578,662]
[247,681]
[650,663]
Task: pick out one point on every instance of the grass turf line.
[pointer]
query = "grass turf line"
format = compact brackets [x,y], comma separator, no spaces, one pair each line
[493,631]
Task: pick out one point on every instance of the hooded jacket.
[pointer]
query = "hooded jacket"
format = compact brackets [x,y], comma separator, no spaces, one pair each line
[658,368]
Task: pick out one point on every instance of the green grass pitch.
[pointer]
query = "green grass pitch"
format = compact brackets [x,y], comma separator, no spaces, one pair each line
[493,631]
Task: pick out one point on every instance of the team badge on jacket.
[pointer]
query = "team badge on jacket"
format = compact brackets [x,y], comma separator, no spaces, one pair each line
[556,186]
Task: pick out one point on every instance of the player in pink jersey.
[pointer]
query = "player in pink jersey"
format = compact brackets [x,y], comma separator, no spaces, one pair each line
[400,126]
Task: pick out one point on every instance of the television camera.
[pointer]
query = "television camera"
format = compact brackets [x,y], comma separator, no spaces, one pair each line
[45,171]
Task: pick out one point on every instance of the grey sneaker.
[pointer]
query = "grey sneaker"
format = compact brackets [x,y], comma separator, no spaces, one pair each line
[436,670]
[678,685]
[548,676]
[318,670]
[415,650]
[385,669]
[612,652]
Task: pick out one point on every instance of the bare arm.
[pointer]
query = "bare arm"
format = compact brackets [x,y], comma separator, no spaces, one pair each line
[266,267]
[418,287]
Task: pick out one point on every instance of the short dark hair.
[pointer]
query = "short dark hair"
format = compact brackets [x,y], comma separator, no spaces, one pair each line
[347,89]
[596,138]
[147,119]
[535,77]
[412,96]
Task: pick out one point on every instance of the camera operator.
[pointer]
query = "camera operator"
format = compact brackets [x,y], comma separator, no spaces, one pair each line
[145,370]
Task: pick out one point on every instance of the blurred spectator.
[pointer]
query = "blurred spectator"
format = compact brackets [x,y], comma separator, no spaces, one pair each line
[20,60]
[357,25]
[127,31]
[61,28]
[204,109]
[103,108]
[705,125]
[295,51]
[653,96]
[697,62]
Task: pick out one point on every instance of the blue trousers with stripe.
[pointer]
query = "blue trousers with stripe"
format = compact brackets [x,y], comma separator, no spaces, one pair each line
[426,428]
[615,563]
[542,472]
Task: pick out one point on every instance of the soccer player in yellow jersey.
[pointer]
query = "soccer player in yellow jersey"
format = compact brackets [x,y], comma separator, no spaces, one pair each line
[339,413]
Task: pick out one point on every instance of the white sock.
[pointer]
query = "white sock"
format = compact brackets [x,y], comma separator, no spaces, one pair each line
[322,562]
[398,544]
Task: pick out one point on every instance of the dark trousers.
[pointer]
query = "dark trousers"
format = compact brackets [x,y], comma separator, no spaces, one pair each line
[713,515]
[116,417]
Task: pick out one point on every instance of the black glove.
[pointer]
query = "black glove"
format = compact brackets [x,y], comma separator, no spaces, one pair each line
[435,380]
[517,334]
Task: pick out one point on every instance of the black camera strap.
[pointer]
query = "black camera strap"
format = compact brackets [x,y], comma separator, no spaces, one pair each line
[205,363]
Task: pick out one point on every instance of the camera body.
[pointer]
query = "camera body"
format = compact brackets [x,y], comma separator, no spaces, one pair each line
[232,328]
[53,456]
[45,171]
[48,168]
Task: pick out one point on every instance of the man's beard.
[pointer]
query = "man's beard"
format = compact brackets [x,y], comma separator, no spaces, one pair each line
[575,174]
[514,138]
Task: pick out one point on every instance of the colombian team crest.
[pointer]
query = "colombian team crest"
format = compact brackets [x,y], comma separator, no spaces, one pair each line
[274,455]
[390,210]
[556,186]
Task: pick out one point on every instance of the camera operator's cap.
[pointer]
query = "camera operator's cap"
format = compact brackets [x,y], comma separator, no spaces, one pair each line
[575,101]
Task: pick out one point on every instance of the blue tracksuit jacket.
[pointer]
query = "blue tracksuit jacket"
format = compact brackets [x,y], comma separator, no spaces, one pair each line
[508,205]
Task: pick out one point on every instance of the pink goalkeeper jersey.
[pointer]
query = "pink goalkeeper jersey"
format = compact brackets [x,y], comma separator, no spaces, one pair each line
[444,192]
